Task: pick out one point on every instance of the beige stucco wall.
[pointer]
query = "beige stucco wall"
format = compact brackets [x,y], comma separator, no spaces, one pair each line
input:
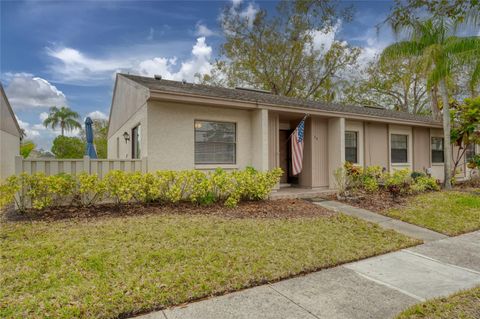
[128,98]
[259,136]
[437,168]
[320,175]
[171,135]
[336,147]
[421,149]
[404,130]
[273,142]
[376,144]
[125,148]
[7,121]
[9,148]
[357,126]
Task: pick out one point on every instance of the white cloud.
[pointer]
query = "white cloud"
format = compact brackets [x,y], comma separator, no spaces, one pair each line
[236,3]
[202,30]
[98,115]
[71,65]
[26,91]
[249,13]
[43,116]
[198,63]
[323,39]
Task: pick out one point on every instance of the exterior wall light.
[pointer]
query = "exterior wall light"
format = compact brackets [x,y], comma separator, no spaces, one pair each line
[126,136]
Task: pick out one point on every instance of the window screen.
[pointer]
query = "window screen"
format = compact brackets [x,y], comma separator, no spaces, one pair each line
[437,150]
[399,148]
[351,147]
[215,142]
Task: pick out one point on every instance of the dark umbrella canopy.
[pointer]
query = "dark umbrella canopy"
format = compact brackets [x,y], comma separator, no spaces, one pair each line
[90,150]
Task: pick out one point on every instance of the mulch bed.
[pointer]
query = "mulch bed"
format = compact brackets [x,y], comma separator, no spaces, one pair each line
[282,208]
[376,202]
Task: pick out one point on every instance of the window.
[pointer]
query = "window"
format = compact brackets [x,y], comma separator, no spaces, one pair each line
[351,148]
[437,150]
[215,142]
[470,152]
[136,138]
[118,147]
[399,148]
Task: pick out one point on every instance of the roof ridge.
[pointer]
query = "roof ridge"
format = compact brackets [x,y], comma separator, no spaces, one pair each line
[280,100]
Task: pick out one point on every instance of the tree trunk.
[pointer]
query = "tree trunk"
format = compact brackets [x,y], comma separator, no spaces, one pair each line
[446,135]
[63,129]
[434,99]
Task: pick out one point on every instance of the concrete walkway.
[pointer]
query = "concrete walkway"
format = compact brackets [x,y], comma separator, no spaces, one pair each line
[377,287]
[386,222]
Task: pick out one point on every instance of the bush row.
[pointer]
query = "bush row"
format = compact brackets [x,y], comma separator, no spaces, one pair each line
[40,191]
[351,179]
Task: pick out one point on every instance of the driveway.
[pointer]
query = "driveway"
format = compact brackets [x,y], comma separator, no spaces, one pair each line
[378,287]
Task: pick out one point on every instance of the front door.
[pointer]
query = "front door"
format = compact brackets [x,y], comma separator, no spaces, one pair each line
[284,150]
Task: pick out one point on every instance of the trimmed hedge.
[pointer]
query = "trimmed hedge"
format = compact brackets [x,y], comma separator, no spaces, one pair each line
[351,179]
[40,191]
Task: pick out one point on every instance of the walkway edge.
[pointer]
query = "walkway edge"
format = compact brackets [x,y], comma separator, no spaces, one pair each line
[407,229]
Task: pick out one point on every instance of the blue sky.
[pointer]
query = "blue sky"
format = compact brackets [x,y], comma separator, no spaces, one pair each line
[66,53]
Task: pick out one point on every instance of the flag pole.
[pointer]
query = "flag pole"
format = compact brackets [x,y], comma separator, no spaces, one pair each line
[304,118]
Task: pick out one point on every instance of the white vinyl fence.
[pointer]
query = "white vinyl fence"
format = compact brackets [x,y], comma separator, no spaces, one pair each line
[51,166]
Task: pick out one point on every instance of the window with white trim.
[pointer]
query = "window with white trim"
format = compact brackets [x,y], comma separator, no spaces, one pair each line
[215,142]
[399,148]
[437,150]
[351,146]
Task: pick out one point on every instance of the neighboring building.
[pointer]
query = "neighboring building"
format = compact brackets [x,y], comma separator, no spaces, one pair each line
[9,137]
[189,126]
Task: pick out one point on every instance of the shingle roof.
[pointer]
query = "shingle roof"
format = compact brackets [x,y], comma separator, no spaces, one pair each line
[258,97]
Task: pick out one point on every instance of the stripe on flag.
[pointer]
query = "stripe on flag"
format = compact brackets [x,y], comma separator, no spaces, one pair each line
[297,148]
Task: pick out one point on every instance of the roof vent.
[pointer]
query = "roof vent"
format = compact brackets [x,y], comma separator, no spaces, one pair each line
[157,77]
[184,81]
[252,90]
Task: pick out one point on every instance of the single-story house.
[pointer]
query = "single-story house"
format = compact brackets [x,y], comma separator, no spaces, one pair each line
[179,125]
[10,135]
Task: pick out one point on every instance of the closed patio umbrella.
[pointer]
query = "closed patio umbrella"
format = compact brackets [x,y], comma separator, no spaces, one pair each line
[90,150]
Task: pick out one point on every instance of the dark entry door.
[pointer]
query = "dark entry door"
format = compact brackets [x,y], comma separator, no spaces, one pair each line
[283,148]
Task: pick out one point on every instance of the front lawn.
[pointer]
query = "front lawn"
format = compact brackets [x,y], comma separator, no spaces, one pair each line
[464,305]
[450,213]
[118,266]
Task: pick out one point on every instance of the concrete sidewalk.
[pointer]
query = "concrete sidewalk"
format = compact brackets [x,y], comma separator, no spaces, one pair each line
[377,287]
[410,230]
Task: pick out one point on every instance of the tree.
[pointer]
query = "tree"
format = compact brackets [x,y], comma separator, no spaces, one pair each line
[400,85]
[465,127]
[282,54]
[458,11]
[433,41]
[63,117]
[26,147]
[100,138]
[68,147]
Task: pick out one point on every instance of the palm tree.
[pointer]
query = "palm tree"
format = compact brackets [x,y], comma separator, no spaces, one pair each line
[63,117]
[440,51]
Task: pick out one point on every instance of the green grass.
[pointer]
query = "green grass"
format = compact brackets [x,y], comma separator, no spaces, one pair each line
[462,305]
[450,213]
[110,267]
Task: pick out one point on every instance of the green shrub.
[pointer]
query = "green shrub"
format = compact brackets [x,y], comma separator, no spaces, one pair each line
[40,191]
[424,183]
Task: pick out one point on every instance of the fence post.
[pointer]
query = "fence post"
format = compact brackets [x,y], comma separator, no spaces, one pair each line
[144,165]
[86,164]
[18,164]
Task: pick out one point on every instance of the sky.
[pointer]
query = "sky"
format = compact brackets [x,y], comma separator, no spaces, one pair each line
[67,53]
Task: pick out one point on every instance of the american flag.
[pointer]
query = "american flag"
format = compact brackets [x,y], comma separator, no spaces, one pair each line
[297,148]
